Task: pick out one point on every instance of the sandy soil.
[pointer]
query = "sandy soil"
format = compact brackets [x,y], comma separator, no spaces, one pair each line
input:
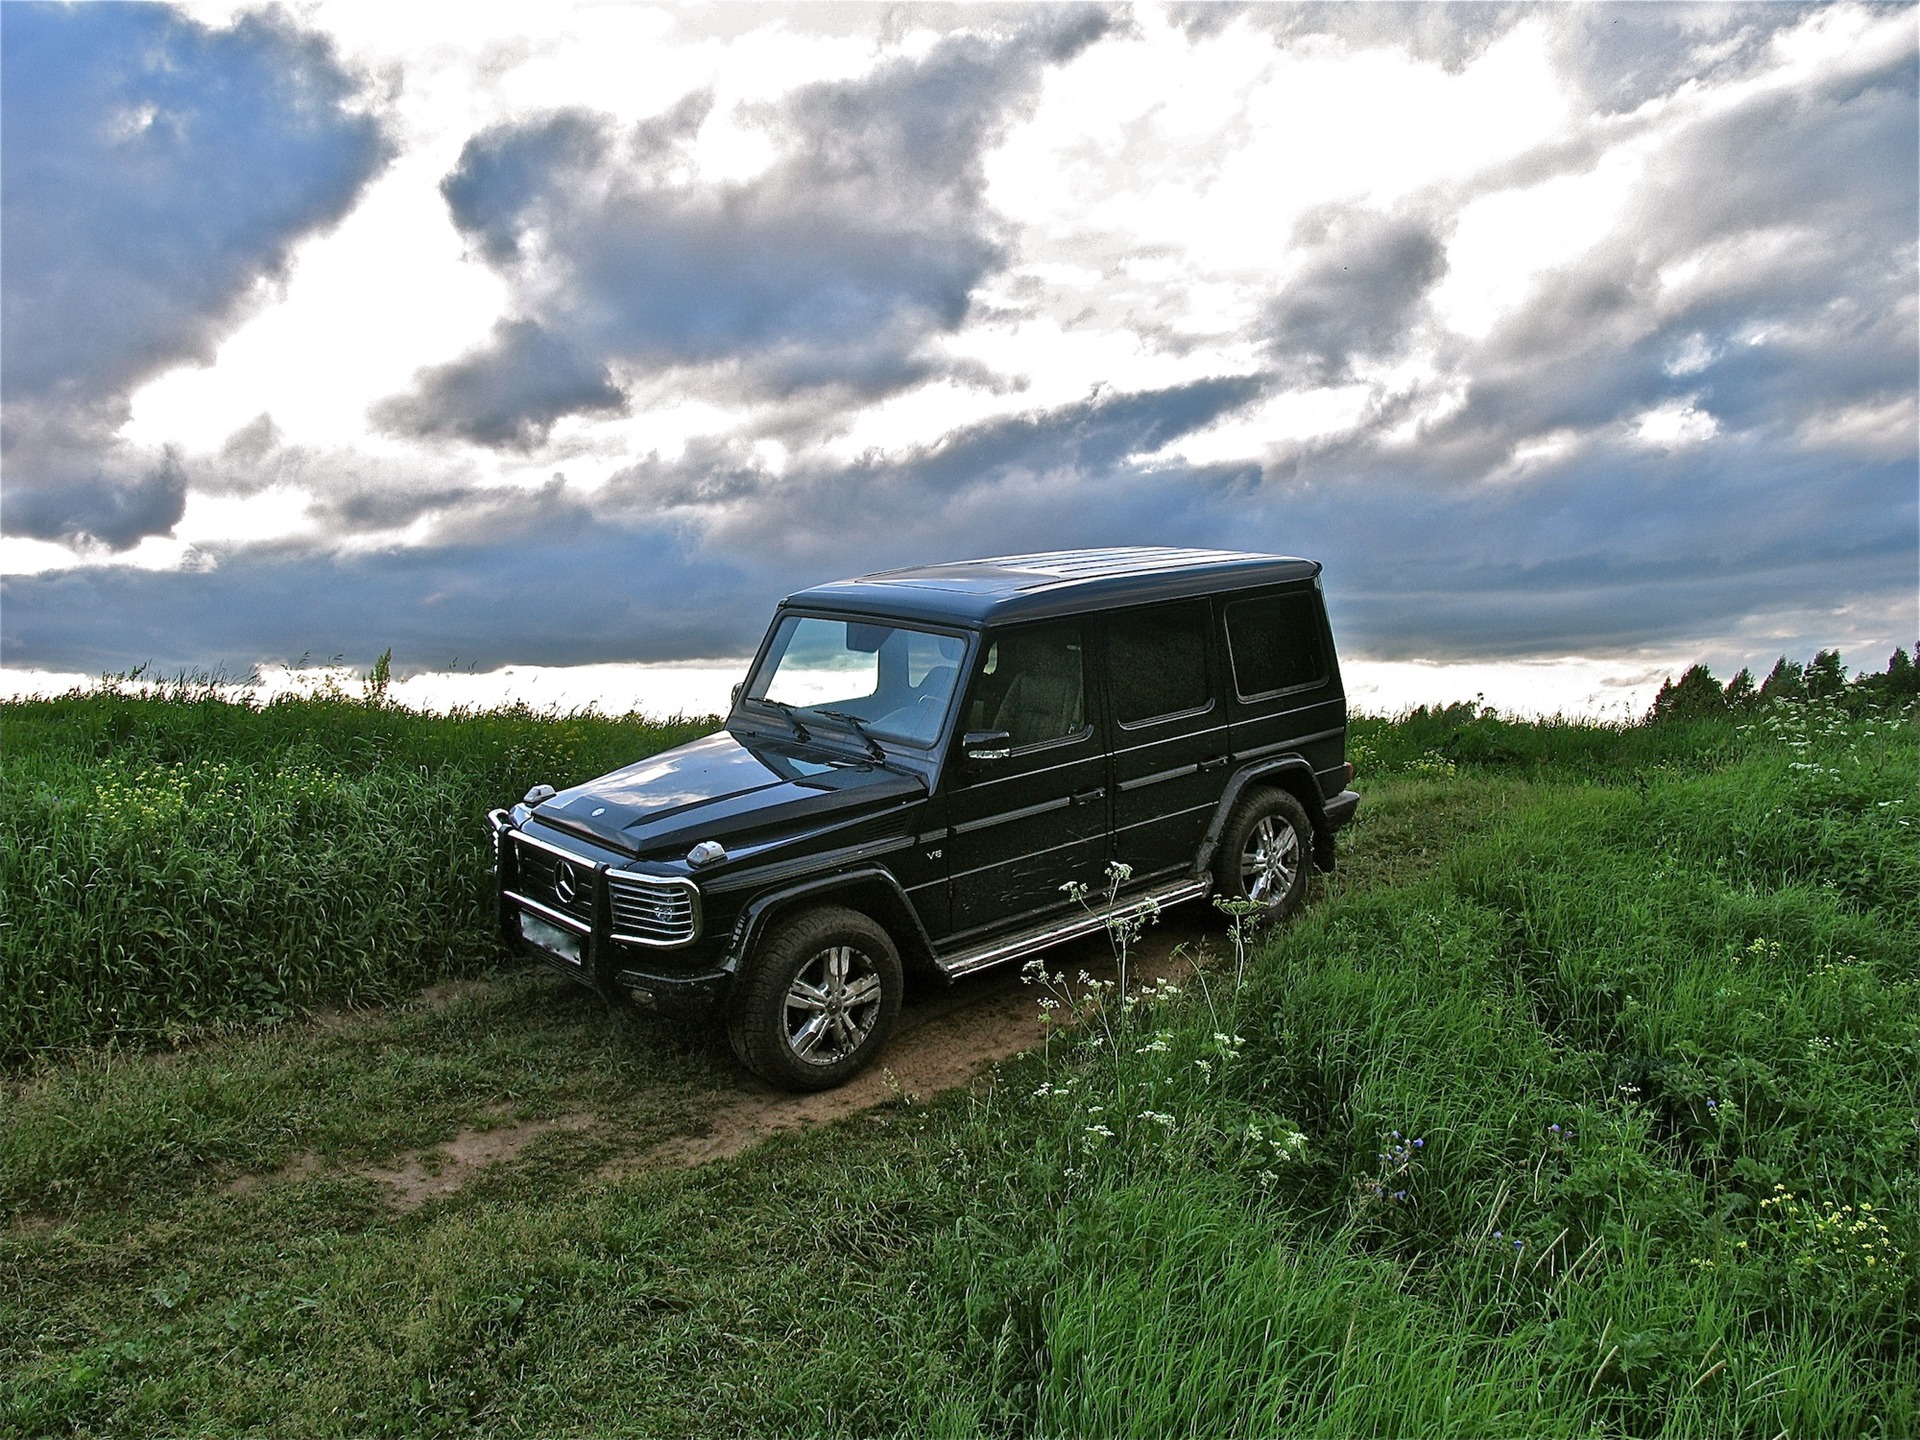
[948,1036]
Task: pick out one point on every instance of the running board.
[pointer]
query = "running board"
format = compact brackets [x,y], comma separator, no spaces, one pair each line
[965,962]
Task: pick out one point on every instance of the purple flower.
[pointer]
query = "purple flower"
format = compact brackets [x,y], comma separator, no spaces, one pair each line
[1418,1143]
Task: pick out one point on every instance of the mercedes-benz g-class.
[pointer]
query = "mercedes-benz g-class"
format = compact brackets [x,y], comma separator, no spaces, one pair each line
[921,769]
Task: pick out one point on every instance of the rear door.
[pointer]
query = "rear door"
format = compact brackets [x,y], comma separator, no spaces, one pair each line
[1284,682]
[1022,827]
[1170,736]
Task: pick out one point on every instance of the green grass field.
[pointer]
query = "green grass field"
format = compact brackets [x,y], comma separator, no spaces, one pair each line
[1583,1100]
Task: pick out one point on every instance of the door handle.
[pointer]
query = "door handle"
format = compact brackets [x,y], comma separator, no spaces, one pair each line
[1214,762]
[1087,797]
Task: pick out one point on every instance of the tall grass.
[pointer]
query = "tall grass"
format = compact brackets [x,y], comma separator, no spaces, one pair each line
[1609,1128]
[176,860]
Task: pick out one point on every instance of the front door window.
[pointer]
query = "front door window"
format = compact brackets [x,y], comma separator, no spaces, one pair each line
[1024,826]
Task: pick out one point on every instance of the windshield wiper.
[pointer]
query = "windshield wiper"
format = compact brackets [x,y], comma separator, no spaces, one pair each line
[800,732]
[873,746]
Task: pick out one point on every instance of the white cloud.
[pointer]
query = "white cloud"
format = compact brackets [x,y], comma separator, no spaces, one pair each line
[1675,426]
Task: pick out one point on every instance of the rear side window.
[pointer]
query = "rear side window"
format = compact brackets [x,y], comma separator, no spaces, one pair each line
[1275,643]
[1158,662]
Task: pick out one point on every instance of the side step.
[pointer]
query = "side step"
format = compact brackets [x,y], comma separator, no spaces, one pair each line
[965,962]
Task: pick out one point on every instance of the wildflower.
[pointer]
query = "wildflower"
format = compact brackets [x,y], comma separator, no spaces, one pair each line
[1158,1117]
[1100,1131]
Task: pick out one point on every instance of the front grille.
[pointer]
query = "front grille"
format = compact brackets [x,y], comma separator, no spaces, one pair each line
[563,885]
[653,912]
[646,909]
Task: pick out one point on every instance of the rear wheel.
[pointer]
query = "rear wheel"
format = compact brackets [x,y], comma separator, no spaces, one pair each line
[1266,852]
[817,1000]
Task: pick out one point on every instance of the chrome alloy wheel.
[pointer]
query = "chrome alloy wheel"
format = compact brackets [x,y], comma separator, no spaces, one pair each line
[1270,860]
[832,1005]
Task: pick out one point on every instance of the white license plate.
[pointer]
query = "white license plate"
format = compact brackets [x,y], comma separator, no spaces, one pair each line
[563,943]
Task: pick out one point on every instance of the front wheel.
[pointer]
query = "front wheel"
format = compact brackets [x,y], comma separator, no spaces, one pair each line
[817,1000]
[1264,855]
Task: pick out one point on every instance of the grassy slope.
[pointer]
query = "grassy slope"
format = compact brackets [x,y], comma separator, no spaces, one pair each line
[1689,948]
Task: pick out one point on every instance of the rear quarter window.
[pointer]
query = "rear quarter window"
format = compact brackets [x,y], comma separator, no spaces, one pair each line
[1276,644]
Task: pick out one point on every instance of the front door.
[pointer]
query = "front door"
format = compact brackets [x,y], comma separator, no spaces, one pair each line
[1024,826]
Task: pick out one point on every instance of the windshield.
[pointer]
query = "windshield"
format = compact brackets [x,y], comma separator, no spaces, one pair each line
[896,683]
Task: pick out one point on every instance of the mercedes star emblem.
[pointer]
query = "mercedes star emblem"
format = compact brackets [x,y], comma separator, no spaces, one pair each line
[563,883]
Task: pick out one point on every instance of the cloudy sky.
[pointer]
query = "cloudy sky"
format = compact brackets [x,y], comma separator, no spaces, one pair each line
[535,335]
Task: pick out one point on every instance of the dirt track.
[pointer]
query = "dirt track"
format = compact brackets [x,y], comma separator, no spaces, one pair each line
[948,1036]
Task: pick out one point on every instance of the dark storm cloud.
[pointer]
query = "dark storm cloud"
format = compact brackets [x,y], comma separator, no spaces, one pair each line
[559,595]
[152,173]
[115,504]
[552,576]
[988,487]
[1357,296]
[832,268]
[1621,547]
[508,395]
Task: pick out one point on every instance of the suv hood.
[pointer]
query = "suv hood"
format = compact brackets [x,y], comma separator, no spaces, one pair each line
[721,788]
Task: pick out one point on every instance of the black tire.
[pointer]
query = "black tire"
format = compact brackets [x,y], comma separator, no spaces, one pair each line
[817,1000]
[1266,853]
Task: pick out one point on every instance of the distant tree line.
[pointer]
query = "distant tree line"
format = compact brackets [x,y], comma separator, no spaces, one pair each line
[1696,695]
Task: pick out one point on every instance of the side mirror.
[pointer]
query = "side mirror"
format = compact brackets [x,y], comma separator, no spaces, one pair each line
[733,695]
[986,744]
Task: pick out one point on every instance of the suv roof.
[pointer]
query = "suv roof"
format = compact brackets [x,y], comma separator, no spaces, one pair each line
[1056,582]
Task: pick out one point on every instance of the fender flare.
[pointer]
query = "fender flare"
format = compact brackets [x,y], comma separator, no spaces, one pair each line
[1260,772]
[763,909]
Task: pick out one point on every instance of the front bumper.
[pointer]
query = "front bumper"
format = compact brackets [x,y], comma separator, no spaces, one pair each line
[593,933]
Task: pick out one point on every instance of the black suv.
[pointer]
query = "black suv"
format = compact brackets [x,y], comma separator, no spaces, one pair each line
[921,767]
